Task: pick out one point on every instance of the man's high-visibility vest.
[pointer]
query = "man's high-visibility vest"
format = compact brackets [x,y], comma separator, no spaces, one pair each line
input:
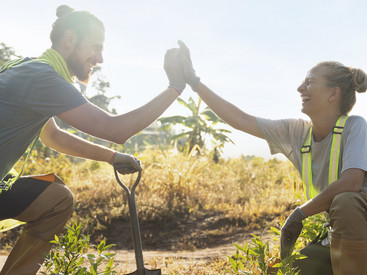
[309,189]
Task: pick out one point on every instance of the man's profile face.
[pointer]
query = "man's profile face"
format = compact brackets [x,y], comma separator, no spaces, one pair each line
[86,54]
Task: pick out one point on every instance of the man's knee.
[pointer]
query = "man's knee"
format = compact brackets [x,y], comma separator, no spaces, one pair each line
[66,200]
[50,212]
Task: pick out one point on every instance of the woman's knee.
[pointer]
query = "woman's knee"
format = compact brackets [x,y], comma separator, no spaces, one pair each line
[348,216]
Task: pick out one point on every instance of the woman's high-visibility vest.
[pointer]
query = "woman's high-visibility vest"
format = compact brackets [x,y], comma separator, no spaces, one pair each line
[309,189]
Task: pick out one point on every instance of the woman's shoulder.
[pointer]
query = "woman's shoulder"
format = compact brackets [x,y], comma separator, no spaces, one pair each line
[291,125]
[354,119]
[289,121]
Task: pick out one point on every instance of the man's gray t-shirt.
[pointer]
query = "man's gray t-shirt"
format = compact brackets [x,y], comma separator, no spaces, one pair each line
[287,136]
[30,94]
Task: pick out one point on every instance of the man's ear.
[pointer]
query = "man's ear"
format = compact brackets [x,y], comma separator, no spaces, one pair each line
[70,39]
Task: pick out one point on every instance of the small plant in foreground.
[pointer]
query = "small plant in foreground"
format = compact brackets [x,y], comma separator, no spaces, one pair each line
[256,258]
[72,250]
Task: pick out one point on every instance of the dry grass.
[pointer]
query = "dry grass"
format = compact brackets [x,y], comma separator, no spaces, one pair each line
[174,190]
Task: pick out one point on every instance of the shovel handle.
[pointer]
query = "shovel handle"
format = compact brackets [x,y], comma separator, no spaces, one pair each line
[129,191]
[134,221]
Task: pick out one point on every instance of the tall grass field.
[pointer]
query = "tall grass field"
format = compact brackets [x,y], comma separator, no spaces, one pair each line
[184,202]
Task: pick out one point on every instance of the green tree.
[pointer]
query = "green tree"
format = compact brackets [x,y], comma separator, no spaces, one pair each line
[196,126]
[6,53]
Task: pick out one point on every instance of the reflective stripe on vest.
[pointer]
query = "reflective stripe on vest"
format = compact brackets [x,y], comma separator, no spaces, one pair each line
[308,187]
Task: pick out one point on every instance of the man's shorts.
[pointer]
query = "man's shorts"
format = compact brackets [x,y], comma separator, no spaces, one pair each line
[22,193]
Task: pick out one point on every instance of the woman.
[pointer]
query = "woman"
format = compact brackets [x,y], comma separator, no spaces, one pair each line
[328,94]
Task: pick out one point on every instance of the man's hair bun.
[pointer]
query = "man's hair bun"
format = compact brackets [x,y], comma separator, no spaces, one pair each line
[63,10]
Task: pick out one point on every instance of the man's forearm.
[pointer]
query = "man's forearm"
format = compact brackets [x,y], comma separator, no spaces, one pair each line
[72,145]
[127,125]
[93,120]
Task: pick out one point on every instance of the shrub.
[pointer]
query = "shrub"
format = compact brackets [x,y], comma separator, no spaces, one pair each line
[256,257]
[71,251]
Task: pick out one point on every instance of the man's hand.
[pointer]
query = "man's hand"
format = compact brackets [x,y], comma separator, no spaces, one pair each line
[190,75]
[174,70]
[125,163]
[290,232]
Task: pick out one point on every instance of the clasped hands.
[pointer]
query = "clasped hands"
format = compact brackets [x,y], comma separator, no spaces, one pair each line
[179,69]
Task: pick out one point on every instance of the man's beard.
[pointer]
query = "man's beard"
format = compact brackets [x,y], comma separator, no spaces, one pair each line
[78,68]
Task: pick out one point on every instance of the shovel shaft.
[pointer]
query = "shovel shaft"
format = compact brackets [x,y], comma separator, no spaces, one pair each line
[134,222]
[135,230]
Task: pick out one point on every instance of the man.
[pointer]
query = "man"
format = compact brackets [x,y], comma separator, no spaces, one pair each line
[32,92]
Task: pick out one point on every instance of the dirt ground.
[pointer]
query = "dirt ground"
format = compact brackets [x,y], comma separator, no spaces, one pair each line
[125,259]
[187,244]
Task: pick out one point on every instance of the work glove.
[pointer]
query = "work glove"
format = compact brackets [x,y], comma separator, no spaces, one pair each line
[125,163]
[290,232]
[190,75]
[174,70]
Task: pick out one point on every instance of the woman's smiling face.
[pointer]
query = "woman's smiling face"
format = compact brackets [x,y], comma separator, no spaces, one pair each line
[314,91]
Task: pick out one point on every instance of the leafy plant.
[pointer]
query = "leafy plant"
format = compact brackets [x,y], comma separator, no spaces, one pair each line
[256,257]
[197,124]
[71,251]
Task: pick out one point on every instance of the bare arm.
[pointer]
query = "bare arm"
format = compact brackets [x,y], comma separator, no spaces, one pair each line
[351,180]
[94,121]
[229,112]
[64,142]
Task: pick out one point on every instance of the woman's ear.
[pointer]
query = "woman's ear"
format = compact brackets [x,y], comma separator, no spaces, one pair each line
[335,94]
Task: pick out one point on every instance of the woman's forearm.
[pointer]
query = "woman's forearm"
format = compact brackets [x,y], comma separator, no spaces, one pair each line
[229,112]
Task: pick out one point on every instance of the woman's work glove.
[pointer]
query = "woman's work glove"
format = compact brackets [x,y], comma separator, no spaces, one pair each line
[190,76]
[125,163]
[174,70]
[290,232]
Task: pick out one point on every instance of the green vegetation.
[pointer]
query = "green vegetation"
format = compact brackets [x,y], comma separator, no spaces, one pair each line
[256,256]
[6,53]
[71,252]
[184,203]
[198,125]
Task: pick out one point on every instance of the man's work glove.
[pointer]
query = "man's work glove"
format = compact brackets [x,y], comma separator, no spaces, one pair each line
[290,232]
[125,163]
[190,75]
[174,70]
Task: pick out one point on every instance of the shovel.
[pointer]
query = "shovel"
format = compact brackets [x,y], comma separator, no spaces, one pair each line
[135,229]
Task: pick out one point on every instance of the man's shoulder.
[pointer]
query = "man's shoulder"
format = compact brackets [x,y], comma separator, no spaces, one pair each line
[37,65]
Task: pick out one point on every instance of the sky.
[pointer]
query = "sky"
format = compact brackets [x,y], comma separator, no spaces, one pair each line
[252,53]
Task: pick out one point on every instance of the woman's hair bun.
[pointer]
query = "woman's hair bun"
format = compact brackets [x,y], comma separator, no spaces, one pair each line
[359,80]
[63,10]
